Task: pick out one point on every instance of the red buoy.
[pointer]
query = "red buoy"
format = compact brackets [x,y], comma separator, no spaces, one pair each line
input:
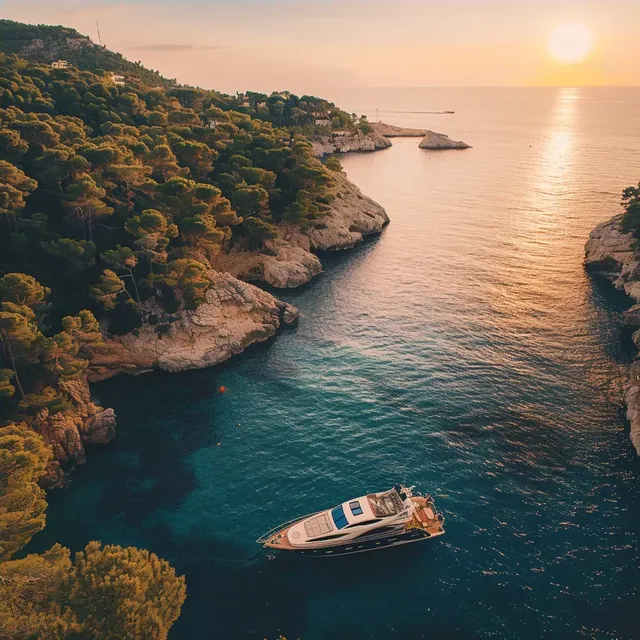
[222,389]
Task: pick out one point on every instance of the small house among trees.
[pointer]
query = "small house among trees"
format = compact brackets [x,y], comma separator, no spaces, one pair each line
[60,64]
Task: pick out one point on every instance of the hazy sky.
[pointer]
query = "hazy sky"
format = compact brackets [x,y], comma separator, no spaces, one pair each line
[307,45]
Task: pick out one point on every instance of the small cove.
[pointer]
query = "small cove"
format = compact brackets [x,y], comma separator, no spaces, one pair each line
[464,351]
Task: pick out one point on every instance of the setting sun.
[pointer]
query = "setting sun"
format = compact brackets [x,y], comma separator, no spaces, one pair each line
[571,43]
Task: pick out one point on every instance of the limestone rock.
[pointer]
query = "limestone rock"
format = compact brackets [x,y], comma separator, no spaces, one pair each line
[283,264]
[609,251]
[68,432]
[352,216]
[632,401]
[99,428]
[440,141]
[234,315]
[358,141]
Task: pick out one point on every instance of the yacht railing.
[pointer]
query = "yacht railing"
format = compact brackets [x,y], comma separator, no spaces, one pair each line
[265,536]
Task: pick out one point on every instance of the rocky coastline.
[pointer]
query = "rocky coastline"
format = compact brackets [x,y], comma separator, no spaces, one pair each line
[612,253]
[234,315]
[290,260]
[375,140]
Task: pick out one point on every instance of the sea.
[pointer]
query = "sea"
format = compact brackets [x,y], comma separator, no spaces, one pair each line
[465,352]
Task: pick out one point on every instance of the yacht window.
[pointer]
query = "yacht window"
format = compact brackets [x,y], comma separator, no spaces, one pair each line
[362,524]
[339,519]
[355,507]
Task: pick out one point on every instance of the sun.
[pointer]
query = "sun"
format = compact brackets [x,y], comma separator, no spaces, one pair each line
[571,43]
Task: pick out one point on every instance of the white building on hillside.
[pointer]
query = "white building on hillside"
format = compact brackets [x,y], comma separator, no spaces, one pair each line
[60,64]
[117,80]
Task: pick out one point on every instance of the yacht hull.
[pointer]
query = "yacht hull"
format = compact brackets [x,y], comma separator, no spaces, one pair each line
[361,546]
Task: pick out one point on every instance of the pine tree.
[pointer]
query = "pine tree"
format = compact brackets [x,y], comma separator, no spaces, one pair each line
[125,593]
[23,460]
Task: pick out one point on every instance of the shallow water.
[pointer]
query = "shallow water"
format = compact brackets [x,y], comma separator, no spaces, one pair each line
[464,351]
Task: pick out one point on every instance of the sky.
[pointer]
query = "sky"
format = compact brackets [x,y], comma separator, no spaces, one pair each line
[309,45]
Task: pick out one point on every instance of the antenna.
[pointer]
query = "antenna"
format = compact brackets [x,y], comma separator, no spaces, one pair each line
[99,38]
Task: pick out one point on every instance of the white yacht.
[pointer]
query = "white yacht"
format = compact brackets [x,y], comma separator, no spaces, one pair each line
[374,521]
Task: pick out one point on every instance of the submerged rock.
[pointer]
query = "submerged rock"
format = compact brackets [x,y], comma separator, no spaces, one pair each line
[234,315]
[440,141]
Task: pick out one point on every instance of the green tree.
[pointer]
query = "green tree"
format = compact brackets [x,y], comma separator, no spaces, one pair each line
[153,233]
[258,232]
[190,279]
[67,353]
[125,593]
[20,338]
[23,461]
[21,289]
[109,289]
[15,186]
[84,203]
[32,592]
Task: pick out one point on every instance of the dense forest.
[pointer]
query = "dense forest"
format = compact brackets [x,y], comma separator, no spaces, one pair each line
[115,194]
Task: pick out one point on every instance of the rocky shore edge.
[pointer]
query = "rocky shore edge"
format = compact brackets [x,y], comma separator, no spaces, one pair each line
[234,315]
[614,254]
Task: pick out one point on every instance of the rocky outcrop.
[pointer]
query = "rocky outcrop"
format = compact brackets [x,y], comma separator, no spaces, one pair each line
[440,141]
[352,216]
[357,141]
[84,422]
[234,315]
[392,131]
[632,402]
[289,261]
[611,252]
[285,263]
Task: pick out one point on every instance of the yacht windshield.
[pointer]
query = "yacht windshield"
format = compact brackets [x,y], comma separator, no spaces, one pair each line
[385,504]
[339,519]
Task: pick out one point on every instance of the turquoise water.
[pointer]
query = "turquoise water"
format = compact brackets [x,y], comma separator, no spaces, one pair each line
[464,351]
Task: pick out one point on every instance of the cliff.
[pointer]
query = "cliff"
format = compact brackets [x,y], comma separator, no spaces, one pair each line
[234,315]
[288,261]
[440,141]
[612,253]
[68,432]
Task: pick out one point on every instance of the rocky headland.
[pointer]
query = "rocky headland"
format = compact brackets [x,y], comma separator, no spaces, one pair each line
[440,141]
[612,253]
[375,140]
[289,260]
[234,315]
[82,423]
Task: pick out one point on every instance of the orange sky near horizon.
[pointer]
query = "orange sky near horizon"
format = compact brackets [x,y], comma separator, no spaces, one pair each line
[307,45]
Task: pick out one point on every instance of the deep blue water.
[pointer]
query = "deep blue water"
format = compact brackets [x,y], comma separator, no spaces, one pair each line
[464,351]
